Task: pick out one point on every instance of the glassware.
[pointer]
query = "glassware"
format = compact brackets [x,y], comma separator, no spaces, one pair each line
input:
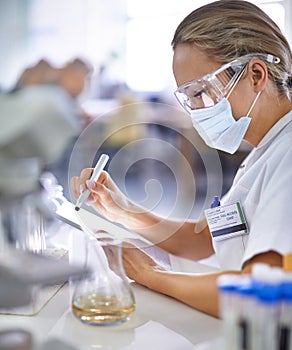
[25,225]
[20,204]
[105,296]
[16,339]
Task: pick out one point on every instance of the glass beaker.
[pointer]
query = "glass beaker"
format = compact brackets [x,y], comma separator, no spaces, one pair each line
[22,218]
[105,296]
[25,225]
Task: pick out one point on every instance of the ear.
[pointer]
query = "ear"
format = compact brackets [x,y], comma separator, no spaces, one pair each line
[258,74]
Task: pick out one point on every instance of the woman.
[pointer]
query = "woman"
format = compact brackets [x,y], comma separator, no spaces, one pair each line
[246,94]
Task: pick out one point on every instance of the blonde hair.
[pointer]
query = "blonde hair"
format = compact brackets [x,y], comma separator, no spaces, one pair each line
[228,29]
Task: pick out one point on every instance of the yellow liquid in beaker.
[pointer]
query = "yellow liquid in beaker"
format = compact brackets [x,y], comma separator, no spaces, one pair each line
[101,309]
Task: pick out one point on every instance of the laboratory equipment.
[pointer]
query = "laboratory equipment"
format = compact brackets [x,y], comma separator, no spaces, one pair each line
[105,296]
[285,323]
[268,311]
[230,309]
[15,339]
[256,309]
[36,127]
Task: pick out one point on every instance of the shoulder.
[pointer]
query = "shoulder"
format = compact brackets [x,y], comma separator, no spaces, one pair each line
[279,150]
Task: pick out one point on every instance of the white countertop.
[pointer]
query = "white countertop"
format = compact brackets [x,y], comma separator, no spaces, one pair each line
[159,322]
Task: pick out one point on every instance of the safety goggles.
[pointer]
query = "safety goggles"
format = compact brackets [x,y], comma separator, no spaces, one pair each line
[212,87]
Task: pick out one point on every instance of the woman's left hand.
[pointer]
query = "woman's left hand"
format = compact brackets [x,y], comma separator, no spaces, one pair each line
[138,265]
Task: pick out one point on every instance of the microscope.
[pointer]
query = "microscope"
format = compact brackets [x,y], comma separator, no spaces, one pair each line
[36,125]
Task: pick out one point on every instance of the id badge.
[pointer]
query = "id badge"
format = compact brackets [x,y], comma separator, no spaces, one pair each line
[226,221]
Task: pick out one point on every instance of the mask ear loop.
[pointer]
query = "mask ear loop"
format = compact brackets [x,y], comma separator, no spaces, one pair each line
[254,102]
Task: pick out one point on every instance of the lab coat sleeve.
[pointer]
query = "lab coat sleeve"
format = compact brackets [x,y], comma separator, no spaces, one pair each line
[271,227]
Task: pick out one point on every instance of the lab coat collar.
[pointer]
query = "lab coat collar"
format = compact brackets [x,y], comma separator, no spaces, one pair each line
[257,152]
[275,130]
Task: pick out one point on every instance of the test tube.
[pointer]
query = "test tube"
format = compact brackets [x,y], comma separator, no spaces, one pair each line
[246,320]
[229,309]
[285,323]
[267,288]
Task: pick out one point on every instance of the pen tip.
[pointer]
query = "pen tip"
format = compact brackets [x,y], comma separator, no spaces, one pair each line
[77,208]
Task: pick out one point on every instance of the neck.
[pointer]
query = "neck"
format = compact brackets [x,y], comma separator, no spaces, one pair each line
[265,117]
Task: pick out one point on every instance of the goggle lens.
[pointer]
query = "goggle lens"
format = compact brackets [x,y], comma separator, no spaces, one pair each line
[208,90]
[211,88]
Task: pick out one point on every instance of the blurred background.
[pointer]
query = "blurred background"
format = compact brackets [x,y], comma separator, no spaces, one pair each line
[113,58]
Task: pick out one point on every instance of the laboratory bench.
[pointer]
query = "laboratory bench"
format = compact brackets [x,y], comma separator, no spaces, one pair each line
[159,322]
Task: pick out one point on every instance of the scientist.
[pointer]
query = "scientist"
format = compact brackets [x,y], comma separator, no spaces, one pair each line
[232,66]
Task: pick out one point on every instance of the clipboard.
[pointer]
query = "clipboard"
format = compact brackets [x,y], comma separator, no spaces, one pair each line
[89,222]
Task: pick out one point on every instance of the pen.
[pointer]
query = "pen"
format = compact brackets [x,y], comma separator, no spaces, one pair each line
[216,202]
[95,175]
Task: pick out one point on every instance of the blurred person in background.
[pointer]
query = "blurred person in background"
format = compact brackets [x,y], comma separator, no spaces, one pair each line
[234,79]
[73,77]
[41,73]
[66,83]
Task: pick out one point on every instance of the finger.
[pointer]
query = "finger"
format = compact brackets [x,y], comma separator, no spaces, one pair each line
[91,185]
[99,194]
[85,174]
[91,199]
[132,253]
[127,245]
[97,189]
[103,178]
[74,184]
[85,179]
[109,252]
[106,180]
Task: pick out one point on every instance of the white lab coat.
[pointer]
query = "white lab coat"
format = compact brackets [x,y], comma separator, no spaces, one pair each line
[263,185]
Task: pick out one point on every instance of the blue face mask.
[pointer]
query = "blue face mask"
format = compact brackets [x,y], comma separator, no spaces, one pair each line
[218,128]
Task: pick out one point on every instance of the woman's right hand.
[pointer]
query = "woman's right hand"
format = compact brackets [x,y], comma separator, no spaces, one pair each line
[105,196]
